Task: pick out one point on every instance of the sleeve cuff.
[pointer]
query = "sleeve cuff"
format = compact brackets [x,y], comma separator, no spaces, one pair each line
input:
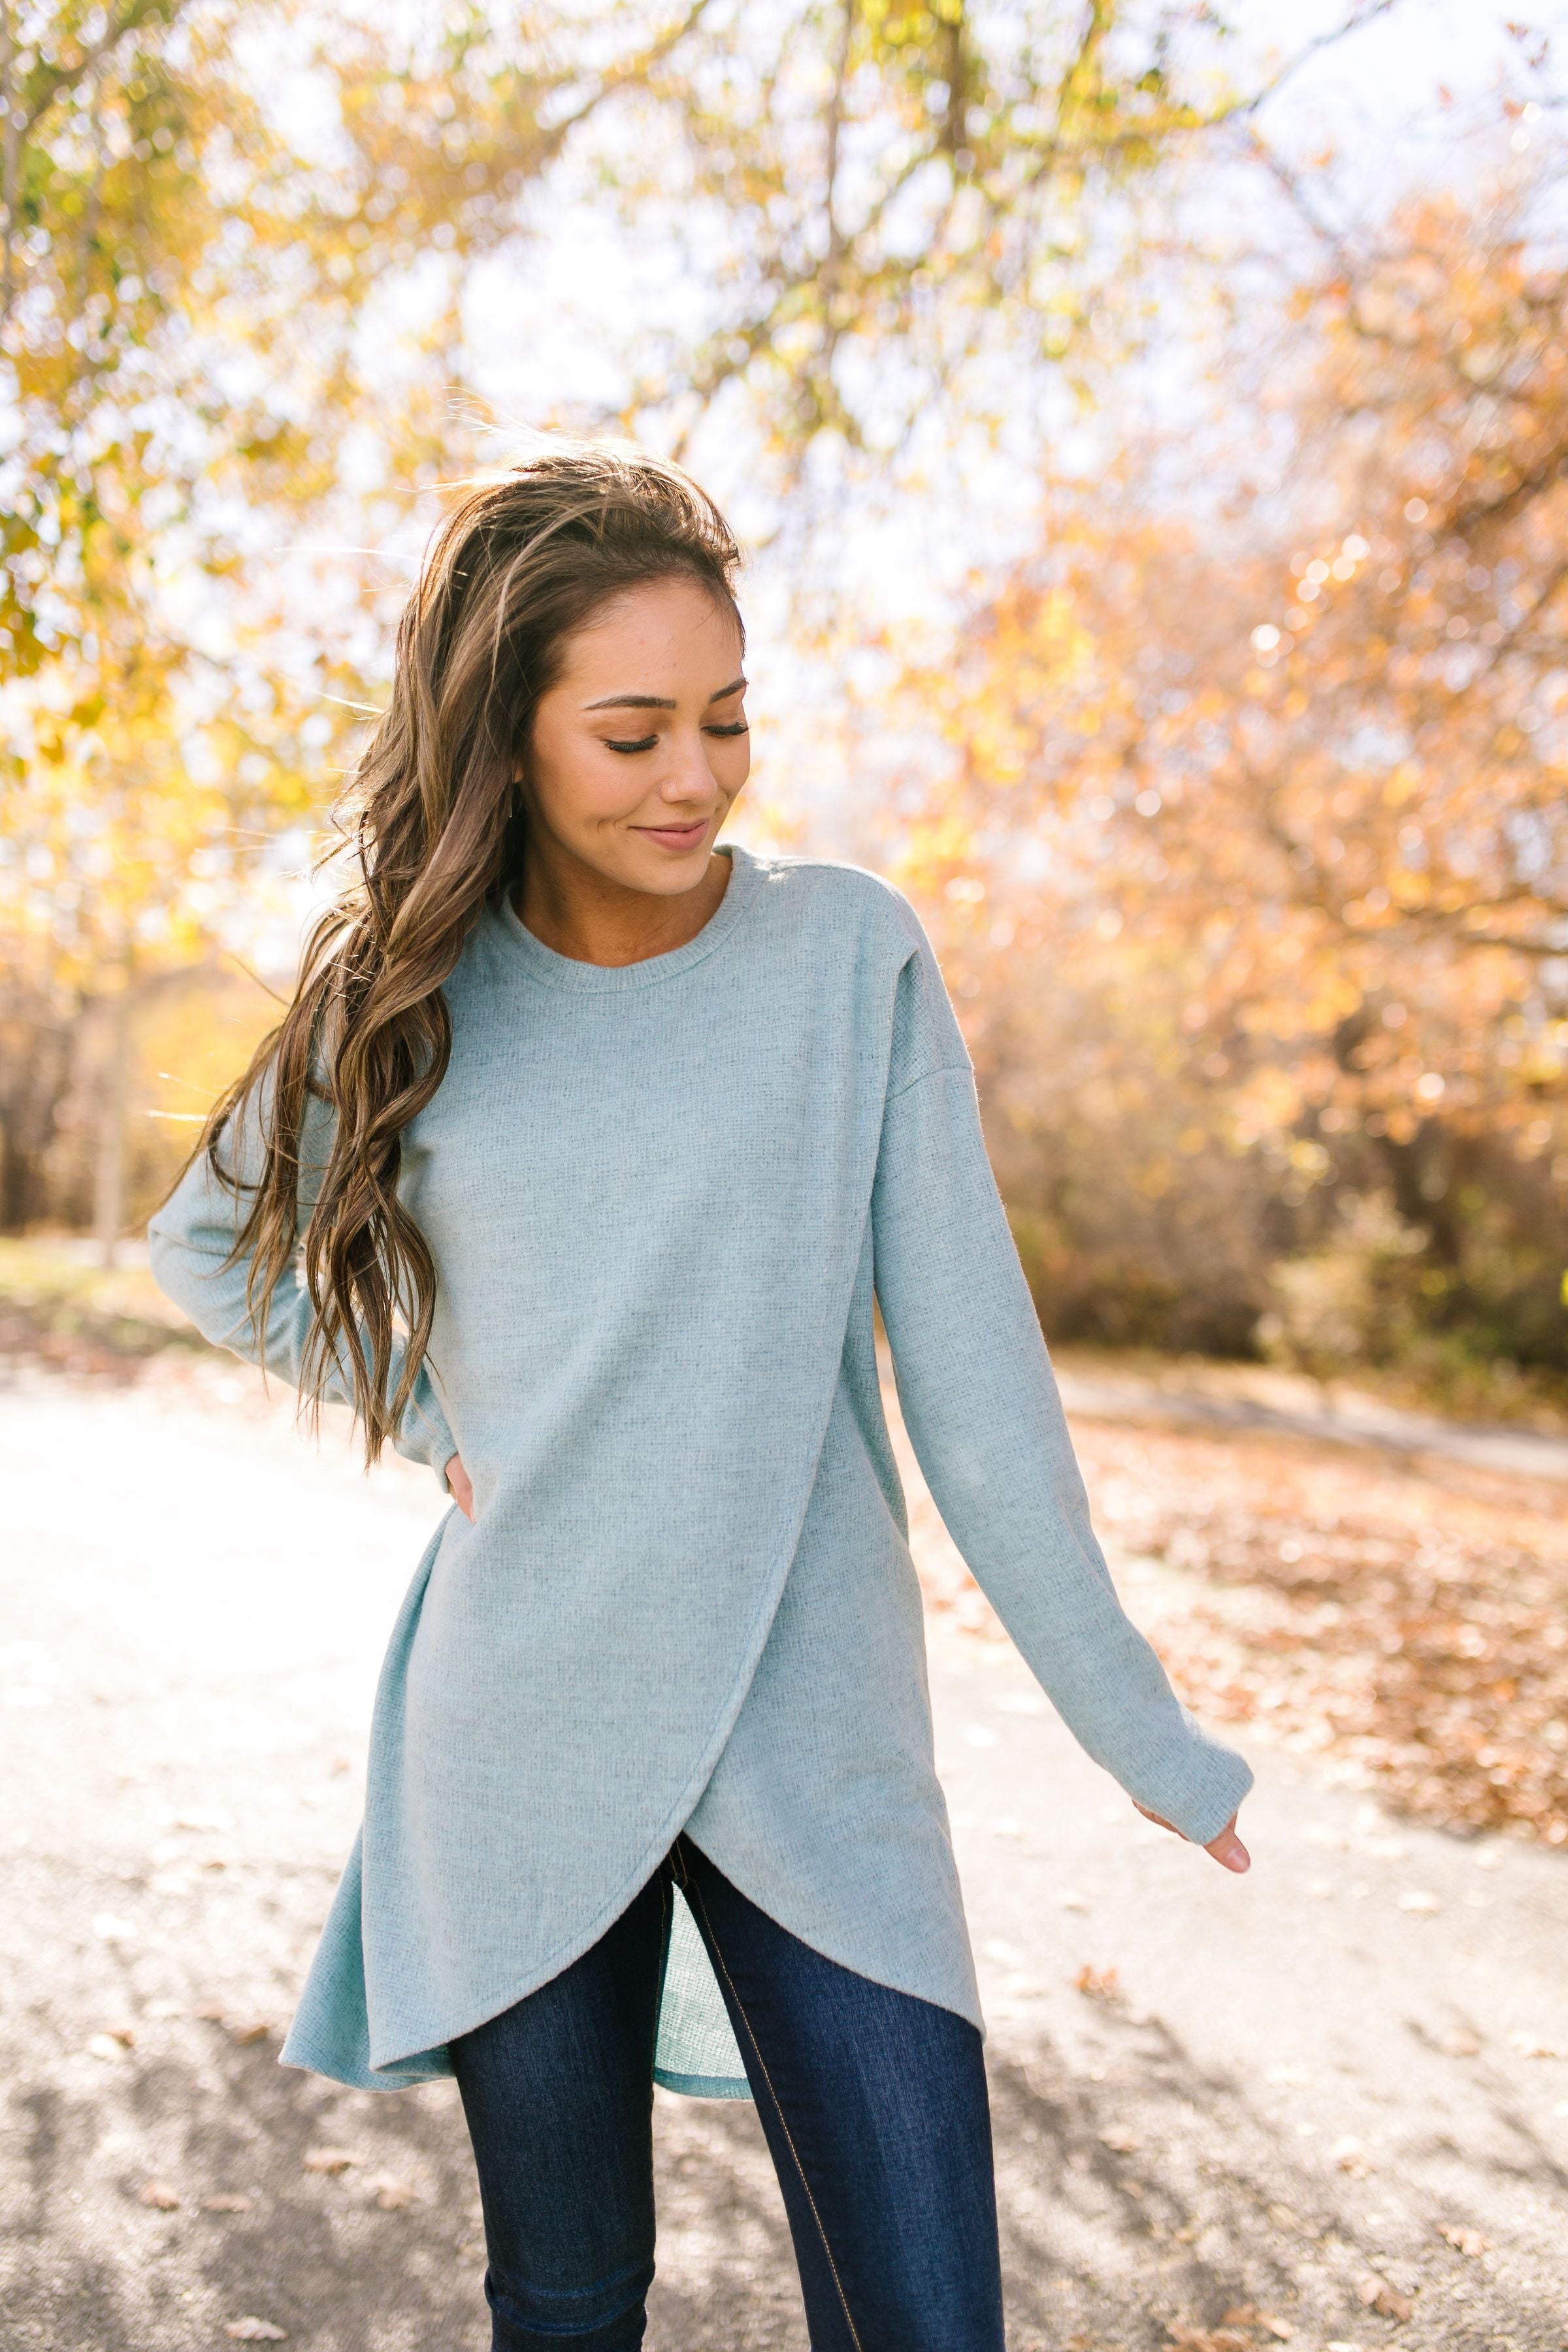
[1216,1781]
[426,1434]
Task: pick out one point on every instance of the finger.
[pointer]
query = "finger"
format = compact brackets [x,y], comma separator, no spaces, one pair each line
[1158,1819]
[1228,1851]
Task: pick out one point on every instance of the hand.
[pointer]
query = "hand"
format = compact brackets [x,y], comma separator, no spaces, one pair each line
[1226,1849]
[460,1486]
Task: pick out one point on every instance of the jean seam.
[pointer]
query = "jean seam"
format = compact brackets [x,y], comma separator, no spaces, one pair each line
[783,2120]
[595,2286]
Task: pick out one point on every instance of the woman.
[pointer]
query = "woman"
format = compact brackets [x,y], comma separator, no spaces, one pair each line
[602,1139]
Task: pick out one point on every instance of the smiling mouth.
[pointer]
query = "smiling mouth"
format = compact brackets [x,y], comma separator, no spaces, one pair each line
[681,835]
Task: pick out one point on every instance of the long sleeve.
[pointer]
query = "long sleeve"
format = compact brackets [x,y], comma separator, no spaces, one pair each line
[981,1405]
[192,1236]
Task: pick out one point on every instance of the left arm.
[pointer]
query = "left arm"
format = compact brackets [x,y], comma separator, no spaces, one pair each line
[983,1415]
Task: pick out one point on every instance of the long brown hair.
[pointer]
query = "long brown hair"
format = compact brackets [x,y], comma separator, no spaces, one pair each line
[434,831]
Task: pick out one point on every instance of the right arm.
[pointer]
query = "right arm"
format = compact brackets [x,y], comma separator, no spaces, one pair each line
[193,1237]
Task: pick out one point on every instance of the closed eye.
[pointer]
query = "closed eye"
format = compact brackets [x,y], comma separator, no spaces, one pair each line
[738,728]
[643,743]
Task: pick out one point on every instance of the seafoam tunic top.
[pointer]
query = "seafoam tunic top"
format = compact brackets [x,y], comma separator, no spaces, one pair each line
[661,1199]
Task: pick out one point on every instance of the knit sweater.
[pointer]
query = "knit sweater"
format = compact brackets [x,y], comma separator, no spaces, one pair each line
[662,1200]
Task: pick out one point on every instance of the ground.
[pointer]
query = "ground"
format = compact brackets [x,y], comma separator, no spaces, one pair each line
[1326,2105]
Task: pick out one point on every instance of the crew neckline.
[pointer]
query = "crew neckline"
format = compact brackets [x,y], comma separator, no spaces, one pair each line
[557,970]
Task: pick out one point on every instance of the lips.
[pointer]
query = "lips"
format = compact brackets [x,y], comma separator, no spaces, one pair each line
[674,836]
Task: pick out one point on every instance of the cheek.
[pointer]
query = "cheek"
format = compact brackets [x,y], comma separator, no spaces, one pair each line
[576,782]
[731,762]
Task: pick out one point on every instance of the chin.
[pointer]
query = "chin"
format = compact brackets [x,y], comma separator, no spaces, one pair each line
[680,875]
[667,876]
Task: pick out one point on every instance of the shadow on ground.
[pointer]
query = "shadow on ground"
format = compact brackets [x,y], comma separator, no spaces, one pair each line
[1196,2217]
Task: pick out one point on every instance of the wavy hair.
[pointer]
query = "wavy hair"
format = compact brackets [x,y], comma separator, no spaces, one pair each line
[434,832]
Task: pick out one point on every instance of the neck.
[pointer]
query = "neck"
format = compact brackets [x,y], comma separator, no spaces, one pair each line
[587,916]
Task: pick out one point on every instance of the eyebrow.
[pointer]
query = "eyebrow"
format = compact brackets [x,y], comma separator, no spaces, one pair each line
[658,701]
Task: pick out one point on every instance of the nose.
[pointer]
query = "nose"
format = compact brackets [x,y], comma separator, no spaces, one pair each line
[688,776]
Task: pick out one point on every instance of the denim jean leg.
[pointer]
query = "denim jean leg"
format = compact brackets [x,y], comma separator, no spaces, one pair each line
[609,2317]
[558,2095]
[875,2108]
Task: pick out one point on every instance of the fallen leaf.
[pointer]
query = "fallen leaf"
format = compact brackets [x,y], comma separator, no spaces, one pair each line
[330,2159]
[251,2029]
[1120,2143]
[159,2195]
[107,2046]
[1245,2315]
[1464,2240]
[1439,1679]
[1279,2329]
[251,2330]
[390,2194]
[227,2201]
[1387,2301]
[1099,1984]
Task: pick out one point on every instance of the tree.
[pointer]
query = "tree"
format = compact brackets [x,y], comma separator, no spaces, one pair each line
[1294,772]
[185,295]
[235,247]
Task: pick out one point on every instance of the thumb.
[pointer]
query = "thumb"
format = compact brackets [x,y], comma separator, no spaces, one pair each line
[1227,1849]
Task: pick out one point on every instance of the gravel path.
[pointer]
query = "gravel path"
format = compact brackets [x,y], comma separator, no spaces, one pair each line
[1253,2124]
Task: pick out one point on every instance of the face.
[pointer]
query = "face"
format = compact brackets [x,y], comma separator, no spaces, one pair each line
[639,748]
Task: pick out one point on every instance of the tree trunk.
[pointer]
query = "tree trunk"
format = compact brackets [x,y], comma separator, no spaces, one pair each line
[109,1169]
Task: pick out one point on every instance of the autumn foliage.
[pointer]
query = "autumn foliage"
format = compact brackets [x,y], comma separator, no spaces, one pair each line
[1236,804]
[1252,840]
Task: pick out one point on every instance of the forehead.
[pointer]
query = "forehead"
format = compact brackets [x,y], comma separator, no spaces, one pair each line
[669,625]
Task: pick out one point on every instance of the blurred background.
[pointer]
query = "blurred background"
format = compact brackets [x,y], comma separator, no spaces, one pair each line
[1147,422]
[1148,428]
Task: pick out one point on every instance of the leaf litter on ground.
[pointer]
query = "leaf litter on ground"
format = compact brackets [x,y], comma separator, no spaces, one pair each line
[1407,1621]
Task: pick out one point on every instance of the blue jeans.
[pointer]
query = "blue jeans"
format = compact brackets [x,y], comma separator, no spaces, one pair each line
[873,2104]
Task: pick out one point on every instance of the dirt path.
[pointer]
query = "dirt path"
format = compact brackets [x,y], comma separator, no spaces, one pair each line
[1269,2102]
[1241,1397]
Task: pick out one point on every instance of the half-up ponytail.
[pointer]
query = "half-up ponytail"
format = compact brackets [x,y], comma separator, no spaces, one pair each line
[433,823]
